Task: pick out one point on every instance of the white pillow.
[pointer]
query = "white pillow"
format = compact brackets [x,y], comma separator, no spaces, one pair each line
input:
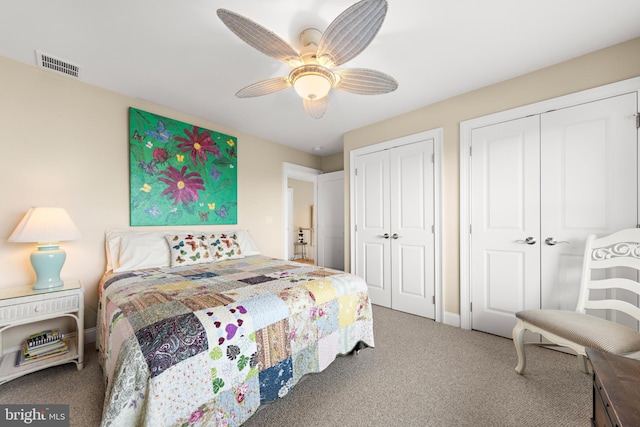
[111,248]
[247,245]
[140,250]
[130,249]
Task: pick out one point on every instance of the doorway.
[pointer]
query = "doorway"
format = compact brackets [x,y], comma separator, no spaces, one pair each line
[302,223]
[308,178]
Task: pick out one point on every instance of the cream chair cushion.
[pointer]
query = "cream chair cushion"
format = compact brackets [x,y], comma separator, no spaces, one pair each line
[588,331]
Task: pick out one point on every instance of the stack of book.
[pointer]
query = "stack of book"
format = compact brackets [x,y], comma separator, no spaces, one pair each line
[42,345]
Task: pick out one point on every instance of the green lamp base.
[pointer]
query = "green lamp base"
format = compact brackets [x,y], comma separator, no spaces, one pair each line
[47,262]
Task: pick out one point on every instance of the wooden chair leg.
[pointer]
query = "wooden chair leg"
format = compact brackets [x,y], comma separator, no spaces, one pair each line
[518,341]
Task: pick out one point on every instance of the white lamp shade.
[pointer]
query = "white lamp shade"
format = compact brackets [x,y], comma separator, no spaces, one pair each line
[45,225]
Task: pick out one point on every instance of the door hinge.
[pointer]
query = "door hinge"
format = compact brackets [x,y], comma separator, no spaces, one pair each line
[637,120]
[356,172]
[433,229]
[469,228]
[433,158]
[356,226]
[433,300]
[470,151]
[471,307]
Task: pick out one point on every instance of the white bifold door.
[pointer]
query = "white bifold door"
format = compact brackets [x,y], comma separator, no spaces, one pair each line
[539,186]
[395,247]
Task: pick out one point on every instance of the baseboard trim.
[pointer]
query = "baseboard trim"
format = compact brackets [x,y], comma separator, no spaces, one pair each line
[451,319]
[90,335]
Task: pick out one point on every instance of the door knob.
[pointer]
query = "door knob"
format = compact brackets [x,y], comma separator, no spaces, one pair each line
[395,236]
[385,236]
[552,242]
[528,241]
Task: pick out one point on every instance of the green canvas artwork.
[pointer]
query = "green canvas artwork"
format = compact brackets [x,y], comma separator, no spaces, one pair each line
[180,174]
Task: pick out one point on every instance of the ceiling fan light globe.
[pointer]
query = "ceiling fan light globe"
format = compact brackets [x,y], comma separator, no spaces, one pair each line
[312,81]
[312,86]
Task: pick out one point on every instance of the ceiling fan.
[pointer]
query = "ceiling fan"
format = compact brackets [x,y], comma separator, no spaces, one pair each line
[313,74]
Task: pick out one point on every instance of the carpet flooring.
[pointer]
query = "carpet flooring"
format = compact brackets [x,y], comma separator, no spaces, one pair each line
[420,373]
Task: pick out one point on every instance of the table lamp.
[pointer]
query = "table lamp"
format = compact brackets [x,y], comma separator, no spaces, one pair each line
[47,227]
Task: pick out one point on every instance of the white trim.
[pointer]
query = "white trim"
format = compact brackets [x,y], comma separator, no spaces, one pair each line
[437,136]
[466,127]
[90,335]
[451,319]
[289,225]
[302,173]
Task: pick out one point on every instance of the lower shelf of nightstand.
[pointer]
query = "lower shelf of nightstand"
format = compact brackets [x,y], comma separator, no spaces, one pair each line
[9,370]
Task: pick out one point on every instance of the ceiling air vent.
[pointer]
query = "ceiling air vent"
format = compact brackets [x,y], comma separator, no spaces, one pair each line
[56,64]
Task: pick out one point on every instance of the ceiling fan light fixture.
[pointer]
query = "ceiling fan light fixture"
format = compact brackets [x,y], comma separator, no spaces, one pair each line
[312,76]
[312,81]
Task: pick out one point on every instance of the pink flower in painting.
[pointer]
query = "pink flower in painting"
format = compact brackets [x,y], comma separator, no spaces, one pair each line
[160,155]
[182,187]
[196,416]
[199,144]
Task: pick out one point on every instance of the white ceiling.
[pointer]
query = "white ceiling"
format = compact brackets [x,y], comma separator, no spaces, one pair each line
[177,53]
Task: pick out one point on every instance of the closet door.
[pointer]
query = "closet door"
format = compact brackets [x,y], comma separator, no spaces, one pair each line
[582,168]
[505,227]
[412,237]
[373,222]
[395,247]
[589,186]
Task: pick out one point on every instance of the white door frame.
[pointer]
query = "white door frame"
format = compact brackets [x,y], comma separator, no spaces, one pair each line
[613,89]
[436,135]
[289,221]
[302,173]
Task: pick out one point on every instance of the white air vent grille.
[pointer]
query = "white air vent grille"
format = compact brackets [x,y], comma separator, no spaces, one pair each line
[56,64]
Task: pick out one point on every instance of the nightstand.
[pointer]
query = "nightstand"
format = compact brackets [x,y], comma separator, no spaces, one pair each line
[23,305]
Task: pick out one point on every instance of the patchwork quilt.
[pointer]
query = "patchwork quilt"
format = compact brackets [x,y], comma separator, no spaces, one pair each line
[207,344]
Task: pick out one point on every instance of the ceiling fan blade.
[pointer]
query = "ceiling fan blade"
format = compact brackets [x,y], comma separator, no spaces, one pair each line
[317,107]
[363,81]
[351,32]
[264,87]
[259,37]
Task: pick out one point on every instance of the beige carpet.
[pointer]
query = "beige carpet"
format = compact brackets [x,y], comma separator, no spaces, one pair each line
[420,373]
[82,390]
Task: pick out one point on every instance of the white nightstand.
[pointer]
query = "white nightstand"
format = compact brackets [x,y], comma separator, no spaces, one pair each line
[22,305]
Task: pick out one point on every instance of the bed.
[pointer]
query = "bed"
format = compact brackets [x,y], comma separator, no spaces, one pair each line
[201,329]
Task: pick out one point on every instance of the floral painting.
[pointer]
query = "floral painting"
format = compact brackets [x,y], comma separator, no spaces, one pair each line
[180,174]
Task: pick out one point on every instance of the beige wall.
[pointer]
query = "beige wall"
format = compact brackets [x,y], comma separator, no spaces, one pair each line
[332,163]
[65,143]
[609,65]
